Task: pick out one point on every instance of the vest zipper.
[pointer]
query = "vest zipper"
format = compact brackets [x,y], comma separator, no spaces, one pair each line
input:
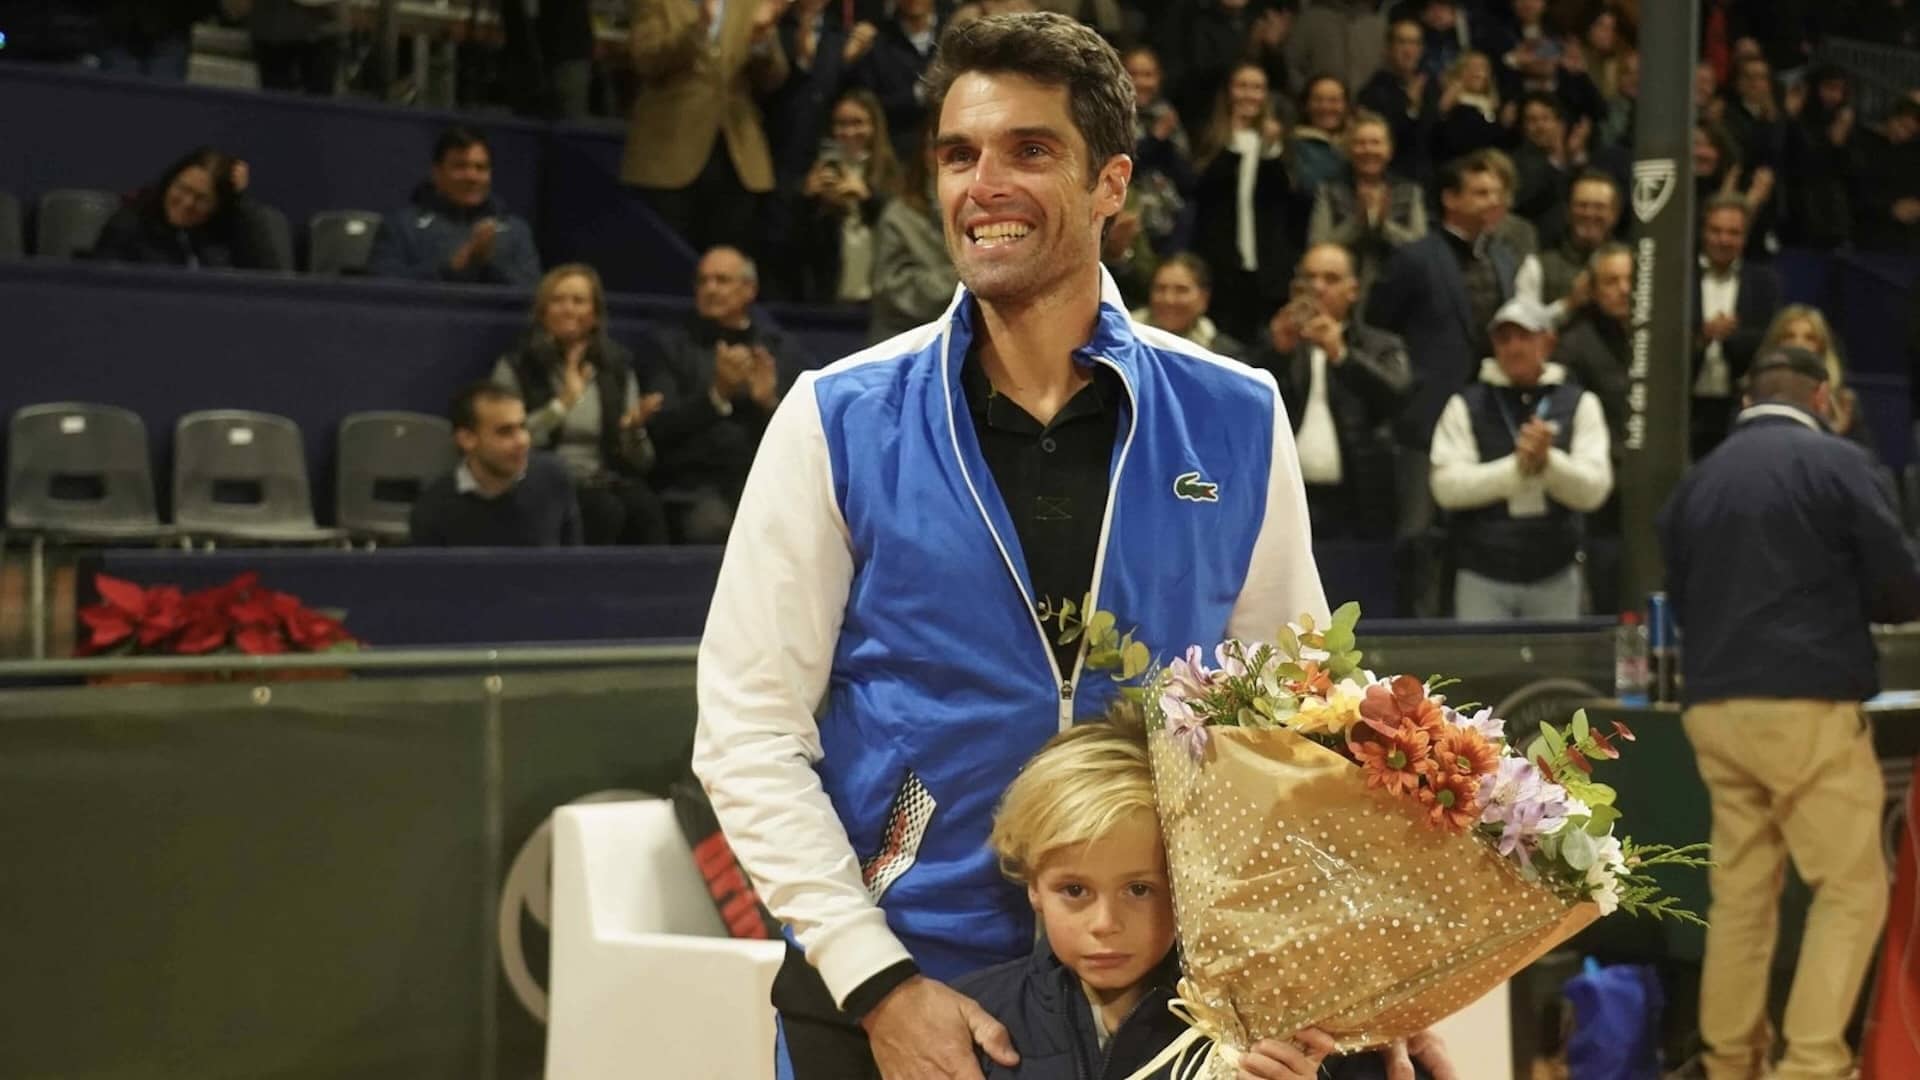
[1067,682]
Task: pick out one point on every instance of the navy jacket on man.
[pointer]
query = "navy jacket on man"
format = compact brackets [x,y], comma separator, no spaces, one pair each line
[418,241]
[1781,549]
[1422,297]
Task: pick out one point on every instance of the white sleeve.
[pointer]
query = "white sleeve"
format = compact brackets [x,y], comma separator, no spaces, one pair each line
[1283,582]
[1460,480]
[1580,479]
[763,668]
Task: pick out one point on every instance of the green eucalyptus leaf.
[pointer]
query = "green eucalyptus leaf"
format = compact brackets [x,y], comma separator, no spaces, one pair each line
[1556,742]
[1289,643]
[1579,728]
[1347,615]
[1579,849]
[1135,660]
[1601,823]
[1100,622]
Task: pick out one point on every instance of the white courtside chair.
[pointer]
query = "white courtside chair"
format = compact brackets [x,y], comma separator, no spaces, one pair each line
[1480,1038]
[644,982]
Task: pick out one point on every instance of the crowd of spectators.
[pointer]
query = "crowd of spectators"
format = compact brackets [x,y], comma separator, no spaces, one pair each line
[1408,212]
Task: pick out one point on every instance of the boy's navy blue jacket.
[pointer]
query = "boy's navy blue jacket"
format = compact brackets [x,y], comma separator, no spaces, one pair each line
[1047,1014]
[1050,1020]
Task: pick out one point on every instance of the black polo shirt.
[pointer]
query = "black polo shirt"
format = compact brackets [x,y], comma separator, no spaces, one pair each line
[1053,478]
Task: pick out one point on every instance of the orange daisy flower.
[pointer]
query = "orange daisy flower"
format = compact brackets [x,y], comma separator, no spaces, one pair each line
[1465,752]
[1394,760]
[1452,800]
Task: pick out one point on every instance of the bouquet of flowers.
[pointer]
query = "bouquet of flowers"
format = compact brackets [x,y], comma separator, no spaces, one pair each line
[1352,852]
[237,616]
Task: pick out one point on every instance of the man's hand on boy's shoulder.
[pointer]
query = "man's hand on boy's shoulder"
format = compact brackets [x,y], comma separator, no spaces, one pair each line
[925,1030]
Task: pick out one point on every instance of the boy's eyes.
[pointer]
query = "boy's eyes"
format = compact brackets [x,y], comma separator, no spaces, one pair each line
[1073,890]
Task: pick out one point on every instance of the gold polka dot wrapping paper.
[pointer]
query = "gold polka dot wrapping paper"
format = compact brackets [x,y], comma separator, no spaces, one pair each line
[1305,898]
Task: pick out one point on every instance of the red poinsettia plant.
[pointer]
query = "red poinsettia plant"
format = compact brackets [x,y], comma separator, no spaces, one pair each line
[237,616]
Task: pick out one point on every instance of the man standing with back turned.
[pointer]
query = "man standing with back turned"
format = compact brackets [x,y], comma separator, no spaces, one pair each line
[1780,552]
[874,668]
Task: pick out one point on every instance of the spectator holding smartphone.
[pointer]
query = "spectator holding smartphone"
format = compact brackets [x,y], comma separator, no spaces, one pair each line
[844,192]
[455,228]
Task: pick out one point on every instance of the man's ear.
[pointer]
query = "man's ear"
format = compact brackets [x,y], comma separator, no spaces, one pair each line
[465,440]
[1110,190]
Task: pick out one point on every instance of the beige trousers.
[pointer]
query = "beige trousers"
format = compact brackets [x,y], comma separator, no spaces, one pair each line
[1788,779]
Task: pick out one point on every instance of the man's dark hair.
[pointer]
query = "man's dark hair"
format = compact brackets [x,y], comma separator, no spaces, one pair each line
[1052,50]
[1541,97]
[457,138]
[1782,384]
[465,409]
[1591,175]
[1726,202]
[1453,174]
[1193,264]
[1609,250]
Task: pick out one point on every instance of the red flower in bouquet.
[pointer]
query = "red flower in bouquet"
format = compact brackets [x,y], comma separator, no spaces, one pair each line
[238,614]
[1403,701]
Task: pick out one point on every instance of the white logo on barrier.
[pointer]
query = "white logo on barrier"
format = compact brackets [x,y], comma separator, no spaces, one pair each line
[528,888]
[1653,184]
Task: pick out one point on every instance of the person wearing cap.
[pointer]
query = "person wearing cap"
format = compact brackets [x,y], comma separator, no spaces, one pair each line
[1781,551]
[1519,458]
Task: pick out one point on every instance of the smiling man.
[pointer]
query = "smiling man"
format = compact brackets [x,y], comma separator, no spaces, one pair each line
[875,667]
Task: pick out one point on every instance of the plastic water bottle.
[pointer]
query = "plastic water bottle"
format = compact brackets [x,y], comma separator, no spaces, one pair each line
[1664,677]
[1630,671]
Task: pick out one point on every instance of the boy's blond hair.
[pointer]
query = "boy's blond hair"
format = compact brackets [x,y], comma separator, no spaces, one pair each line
[1082,784]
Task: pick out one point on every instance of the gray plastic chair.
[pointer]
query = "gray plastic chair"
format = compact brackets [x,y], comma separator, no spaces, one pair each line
[385,460]
[77,474]
[11,244]
[277,233]
[242,475]
[70,220]
[341,241]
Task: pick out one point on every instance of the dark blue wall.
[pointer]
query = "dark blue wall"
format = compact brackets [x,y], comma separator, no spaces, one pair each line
[164,342]
[66,127]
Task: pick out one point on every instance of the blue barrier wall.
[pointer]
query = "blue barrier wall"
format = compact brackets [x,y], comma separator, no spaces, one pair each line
[463,596]
[164,342]
[67,127]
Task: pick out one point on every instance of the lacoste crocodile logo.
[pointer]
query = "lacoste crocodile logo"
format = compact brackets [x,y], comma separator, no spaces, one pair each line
[1190,487]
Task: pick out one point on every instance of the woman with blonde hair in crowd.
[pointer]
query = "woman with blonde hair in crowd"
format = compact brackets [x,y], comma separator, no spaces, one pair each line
[584,404]
[1243,196]
[1471,114]
[845,190]
[1804,326]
